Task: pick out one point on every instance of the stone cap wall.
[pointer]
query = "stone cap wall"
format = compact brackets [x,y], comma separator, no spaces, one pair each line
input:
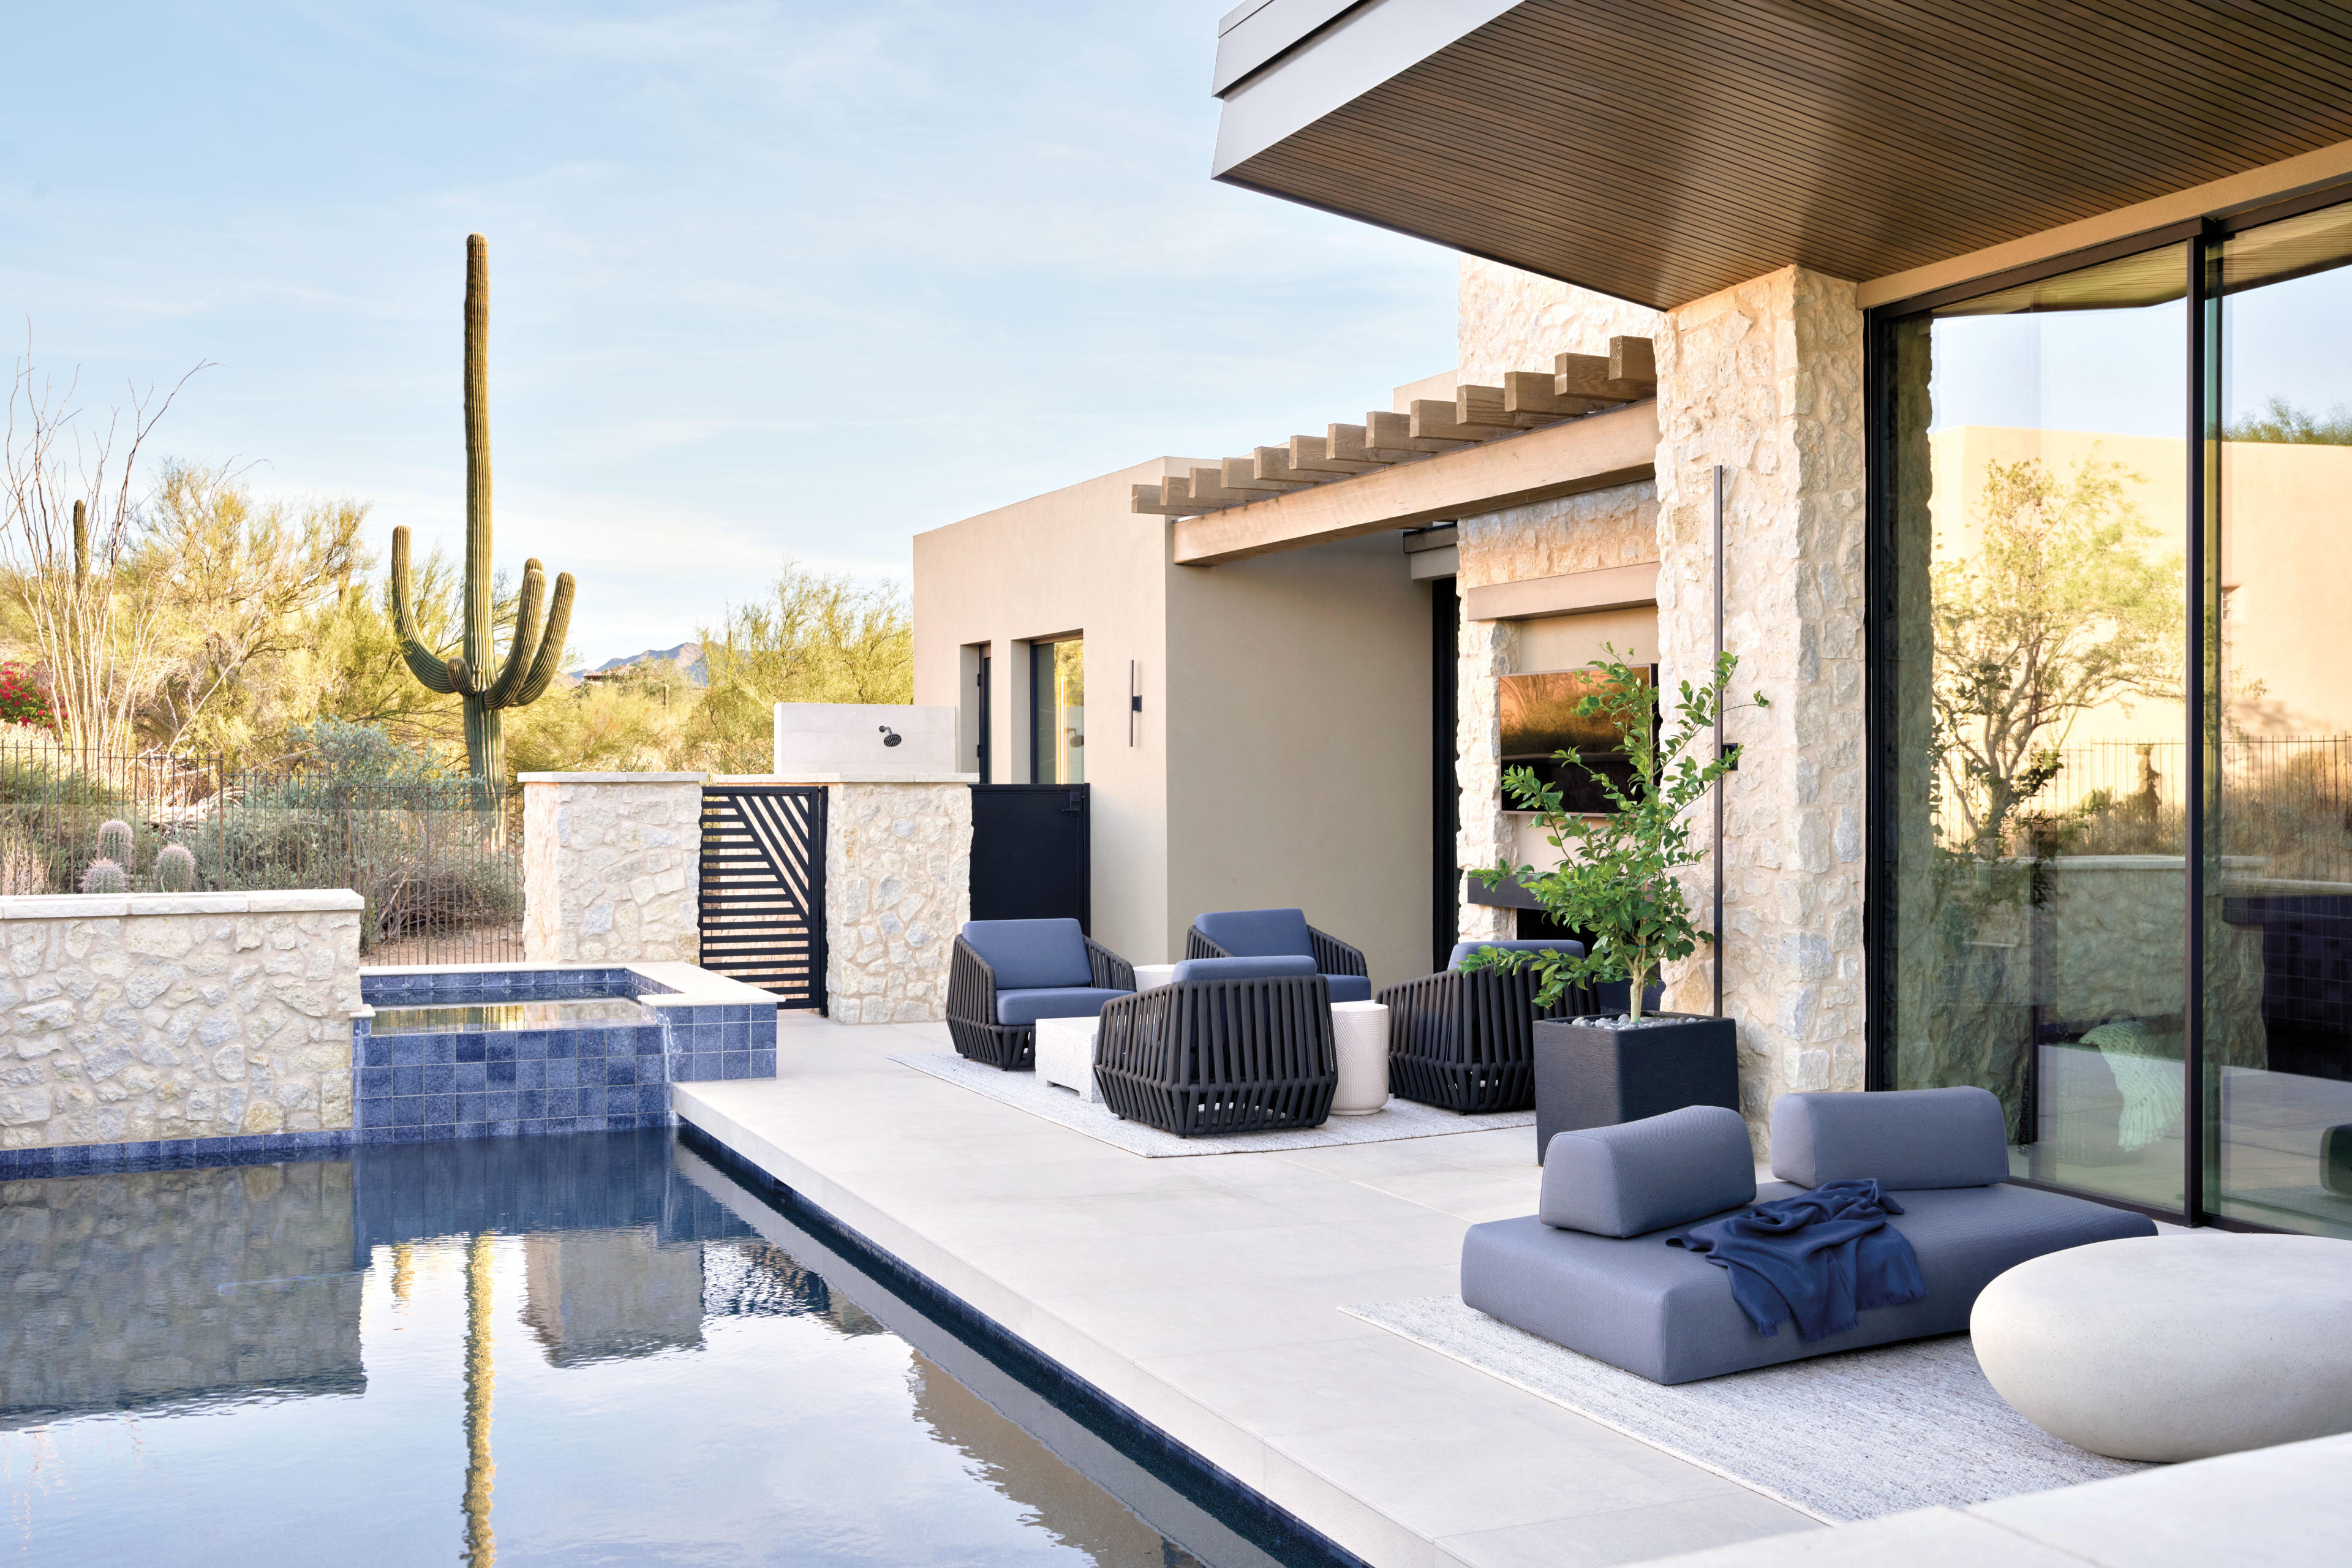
[118,906]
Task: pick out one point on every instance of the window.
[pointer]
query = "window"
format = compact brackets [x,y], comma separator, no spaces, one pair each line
[1058,710]
[2096,516]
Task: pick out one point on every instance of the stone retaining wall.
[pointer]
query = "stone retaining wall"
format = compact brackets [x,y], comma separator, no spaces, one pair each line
[897,888]
[160,1016]
[609,867]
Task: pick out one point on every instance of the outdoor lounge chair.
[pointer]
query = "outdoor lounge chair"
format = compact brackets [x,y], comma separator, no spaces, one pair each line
[1233,1045]
[1007,975]
[1592,1270]
[1280,933]
[1465,1040]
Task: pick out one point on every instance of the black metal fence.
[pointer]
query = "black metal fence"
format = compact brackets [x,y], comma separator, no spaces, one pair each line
[437,859]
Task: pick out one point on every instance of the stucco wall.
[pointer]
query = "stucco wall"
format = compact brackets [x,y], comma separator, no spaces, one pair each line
[1511,320]
[176,1015]
[610,866]
[1766,379]
[897,888]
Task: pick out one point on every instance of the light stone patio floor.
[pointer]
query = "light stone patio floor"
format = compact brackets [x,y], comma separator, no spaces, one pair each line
[1204,1295]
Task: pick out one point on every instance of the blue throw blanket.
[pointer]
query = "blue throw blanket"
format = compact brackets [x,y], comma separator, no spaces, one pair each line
[1816,1258]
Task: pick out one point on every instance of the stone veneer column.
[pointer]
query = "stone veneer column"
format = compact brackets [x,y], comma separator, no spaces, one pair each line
[897,888]
[610,864]
[1766,379]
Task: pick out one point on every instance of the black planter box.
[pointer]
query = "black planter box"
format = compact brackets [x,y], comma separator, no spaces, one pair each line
[1588,1076]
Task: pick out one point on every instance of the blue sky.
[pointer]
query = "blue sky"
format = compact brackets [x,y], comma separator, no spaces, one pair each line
[768,279]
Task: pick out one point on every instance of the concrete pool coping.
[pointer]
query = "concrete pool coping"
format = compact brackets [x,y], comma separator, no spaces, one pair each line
[1204,1296]
[690,986]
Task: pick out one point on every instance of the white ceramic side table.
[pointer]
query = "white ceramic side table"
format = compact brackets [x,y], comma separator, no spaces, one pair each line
[1360,1030]
[1147,975]
[1065,1054]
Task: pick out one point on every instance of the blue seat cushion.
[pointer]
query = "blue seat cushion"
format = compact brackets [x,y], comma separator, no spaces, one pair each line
[1910,1137]
[1027,954]
[1463,950]
[1351,987]
[1276,967]
[1668,1314]
[1257,933]
[1052,1002]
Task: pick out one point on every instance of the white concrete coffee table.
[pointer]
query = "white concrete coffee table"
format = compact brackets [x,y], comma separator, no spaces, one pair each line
[1360,1031]
[2175,1347]
[1065,1054]
[1147,975]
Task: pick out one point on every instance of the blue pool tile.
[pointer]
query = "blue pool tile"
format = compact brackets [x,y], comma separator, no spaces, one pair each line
[653,1097]
[563,1044]
[736,1038]
[473,1047]
[560,1124]
[472,1077]
[472,1110]
[621,1069]
[408,1134]
[408,1050]
[763,1064]
[531,1045]
[501,1048]
[591,1102]
[440,1081]
[372,1113]
[440,1051]
[764,1036]
[531,1104]
[736,1064]
[408,1080]
[501,1075]
[370,1083]
[649,1039]
[530,1075]
[408,1110]
[440,1109]
[589,1124]
[375,1052]
[563,1074]
[562,1104]
[504,1105]
[506,1129]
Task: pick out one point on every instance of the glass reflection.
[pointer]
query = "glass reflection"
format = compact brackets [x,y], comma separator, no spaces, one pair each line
[1057,681]
[2279,1149]
[2037,745]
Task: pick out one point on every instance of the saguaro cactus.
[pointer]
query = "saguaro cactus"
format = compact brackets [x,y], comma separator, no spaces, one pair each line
[538,647]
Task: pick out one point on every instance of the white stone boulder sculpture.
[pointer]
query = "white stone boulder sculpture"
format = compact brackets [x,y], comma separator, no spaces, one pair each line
[2175,1347]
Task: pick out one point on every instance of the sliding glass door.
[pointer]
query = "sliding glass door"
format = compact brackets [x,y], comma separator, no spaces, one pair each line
[2108,498]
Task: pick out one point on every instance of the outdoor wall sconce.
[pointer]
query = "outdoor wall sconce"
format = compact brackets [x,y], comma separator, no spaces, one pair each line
[890,737]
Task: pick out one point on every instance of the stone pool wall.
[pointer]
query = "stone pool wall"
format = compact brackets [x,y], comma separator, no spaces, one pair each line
[610,865]
[157,1017]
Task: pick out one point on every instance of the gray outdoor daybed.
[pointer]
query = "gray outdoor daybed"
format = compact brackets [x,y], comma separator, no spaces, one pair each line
[1592,1270]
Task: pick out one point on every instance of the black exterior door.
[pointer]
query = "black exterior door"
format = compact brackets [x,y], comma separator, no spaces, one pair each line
[1029,854]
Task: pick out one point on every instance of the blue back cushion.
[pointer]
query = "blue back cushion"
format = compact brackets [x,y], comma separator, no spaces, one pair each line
[1639,1177]
[1244,968]
[1257,933]
[1909,1138]
[1030,953]
[1463,950]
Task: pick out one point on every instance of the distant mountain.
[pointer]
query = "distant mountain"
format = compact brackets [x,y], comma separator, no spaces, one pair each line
[686,655]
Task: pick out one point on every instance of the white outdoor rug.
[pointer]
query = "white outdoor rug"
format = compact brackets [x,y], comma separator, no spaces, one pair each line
[1028,1091]
[1842,1437]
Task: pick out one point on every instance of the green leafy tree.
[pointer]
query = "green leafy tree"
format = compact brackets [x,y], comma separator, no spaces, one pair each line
[813,638]
[1615,880]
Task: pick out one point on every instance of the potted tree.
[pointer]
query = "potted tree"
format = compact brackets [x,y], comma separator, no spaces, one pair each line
[1615,883]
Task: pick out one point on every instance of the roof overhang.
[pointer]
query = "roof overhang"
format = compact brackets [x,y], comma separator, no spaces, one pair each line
[1663,149]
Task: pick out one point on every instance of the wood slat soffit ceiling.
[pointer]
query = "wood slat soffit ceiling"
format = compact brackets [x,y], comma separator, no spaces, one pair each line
[1663,149]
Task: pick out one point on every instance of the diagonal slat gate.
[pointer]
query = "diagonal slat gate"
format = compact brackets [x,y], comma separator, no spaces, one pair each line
[762,888]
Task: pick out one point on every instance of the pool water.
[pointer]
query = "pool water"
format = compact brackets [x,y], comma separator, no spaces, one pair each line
[536,1014]
[570,1349]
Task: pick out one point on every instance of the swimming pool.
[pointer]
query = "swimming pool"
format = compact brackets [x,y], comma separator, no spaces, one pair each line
[586,1348]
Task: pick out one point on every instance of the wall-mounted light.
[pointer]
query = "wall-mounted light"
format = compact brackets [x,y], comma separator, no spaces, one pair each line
[890,737]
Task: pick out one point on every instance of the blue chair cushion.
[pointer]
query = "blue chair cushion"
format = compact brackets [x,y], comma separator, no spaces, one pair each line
[1244,968]
[1052,1002]
[1257,933]
[1027,954]
[1351,987]
[1909,1138]
[1463,950]
[1640,1176]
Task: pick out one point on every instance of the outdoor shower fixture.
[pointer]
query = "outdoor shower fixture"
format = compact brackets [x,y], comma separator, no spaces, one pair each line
[890,737]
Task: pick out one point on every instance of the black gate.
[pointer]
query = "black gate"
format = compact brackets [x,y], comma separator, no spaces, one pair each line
[1029,853]
[763,896]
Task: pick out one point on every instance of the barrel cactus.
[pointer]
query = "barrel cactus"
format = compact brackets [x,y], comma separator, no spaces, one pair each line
[475,673]
[175,869]
[116,842]
[105,877]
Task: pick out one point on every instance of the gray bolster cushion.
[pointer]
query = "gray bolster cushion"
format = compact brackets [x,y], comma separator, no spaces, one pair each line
[1640,1176]
[1910,1137]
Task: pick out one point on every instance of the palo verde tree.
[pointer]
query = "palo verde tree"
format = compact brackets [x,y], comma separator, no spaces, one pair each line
[538,644]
